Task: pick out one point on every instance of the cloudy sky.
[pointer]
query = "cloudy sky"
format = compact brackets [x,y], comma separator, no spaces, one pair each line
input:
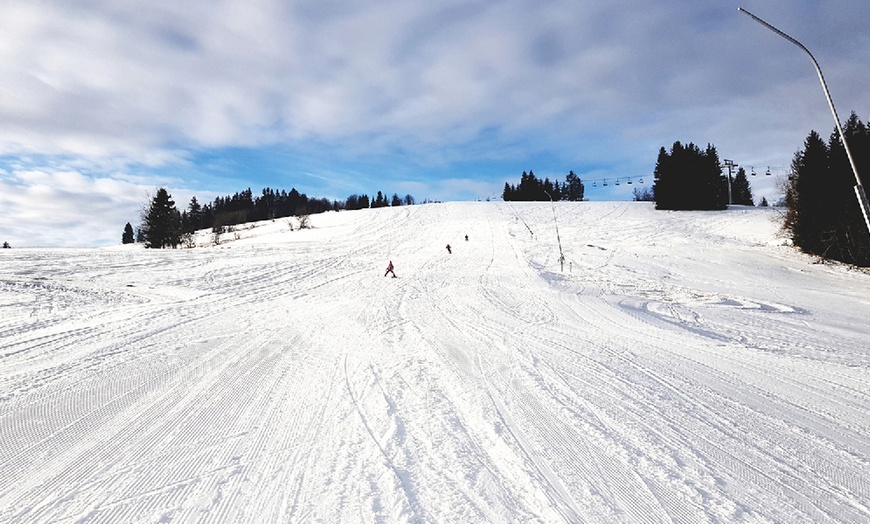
[104,101]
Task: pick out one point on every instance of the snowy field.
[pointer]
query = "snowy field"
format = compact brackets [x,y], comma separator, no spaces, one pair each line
[684,367]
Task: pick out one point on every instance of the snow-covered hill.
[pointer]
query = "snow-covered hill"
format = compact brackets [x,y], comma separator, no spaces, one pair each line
[682,367]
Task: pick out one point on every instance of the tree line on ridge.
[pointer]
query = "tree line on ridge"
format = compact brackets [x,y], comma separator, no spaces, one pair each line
[163,225]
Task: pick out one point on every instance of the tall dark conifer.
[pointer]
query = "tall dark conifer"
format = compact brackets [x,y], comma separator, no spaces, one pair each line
[823,214]
[741,193]
[192,218]
[127,236]
[810,173]
[573,189]
[162,222]
[689,178]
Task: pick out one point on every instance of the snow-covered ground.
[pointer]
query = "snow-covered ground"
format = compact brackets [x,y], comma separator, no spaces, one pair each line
[683,367]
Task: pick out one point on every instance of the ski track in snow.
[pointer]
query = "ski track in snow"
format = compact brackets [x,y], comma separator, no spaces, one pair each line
[681,367]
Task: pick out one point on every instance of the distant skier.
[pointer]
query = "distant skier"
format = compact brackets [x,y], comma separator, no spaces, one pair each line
[390,270]
[449,251]
[466,238]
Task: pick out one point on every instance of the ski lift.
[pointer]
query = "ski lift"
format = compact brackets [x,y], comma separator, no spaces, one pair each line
[594,183]
[605,182]
[629,181]
[753,171]
[617,182]
[640,181]
[768,171]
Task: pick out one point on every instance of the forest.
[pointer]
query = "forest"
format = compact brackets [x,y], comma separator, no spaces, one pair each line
[532,189]
[823,216]
[163,225]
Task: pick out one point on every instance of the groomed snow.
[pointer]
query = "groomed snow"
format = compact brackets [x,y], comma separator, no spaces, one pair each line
[683,367]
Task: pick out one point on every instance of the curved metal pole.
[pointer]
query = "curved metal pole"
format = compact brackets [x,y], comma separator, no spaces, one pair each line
[859,189]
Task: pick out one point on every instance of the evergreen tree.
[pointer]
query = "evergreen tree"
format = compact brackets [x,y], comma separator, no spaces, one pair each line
[549,189]
[823,215]
[380,201]
[523,192]
[207,219]
[740,191]
[162,222]
[532,189]
[688,178]
[6,245]
[508,193]
[764,202]
[352,203]
[810,168]
[573,189]
[127,237]
[396,202]
[714,192]
[192,218]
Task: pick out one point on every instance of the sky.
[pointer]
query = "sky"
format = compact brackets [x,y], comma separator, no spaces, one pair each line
[103,102]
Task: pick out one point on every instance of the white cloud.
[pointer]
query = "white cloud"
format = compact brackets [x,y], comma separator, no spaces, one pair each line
[109,89]
[67,208]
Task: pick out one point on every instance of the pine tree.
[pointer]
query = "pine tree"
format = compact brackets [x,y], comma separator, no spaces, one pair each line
[162,222]
[573,189]
[847,236]
[822,213]
[740,191]
[507,194]
[192,218]
[549,190]
[127,237]
[810,173]
[689,178]
[380,201]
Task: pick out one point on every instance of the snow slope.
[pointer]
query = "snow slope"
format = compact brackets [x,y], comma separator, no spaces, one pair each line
[683,367]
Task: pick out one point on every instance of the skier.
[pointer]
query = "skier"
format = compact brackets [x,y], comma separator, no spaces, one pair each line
[449,250]
[390,269]
[466,238]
